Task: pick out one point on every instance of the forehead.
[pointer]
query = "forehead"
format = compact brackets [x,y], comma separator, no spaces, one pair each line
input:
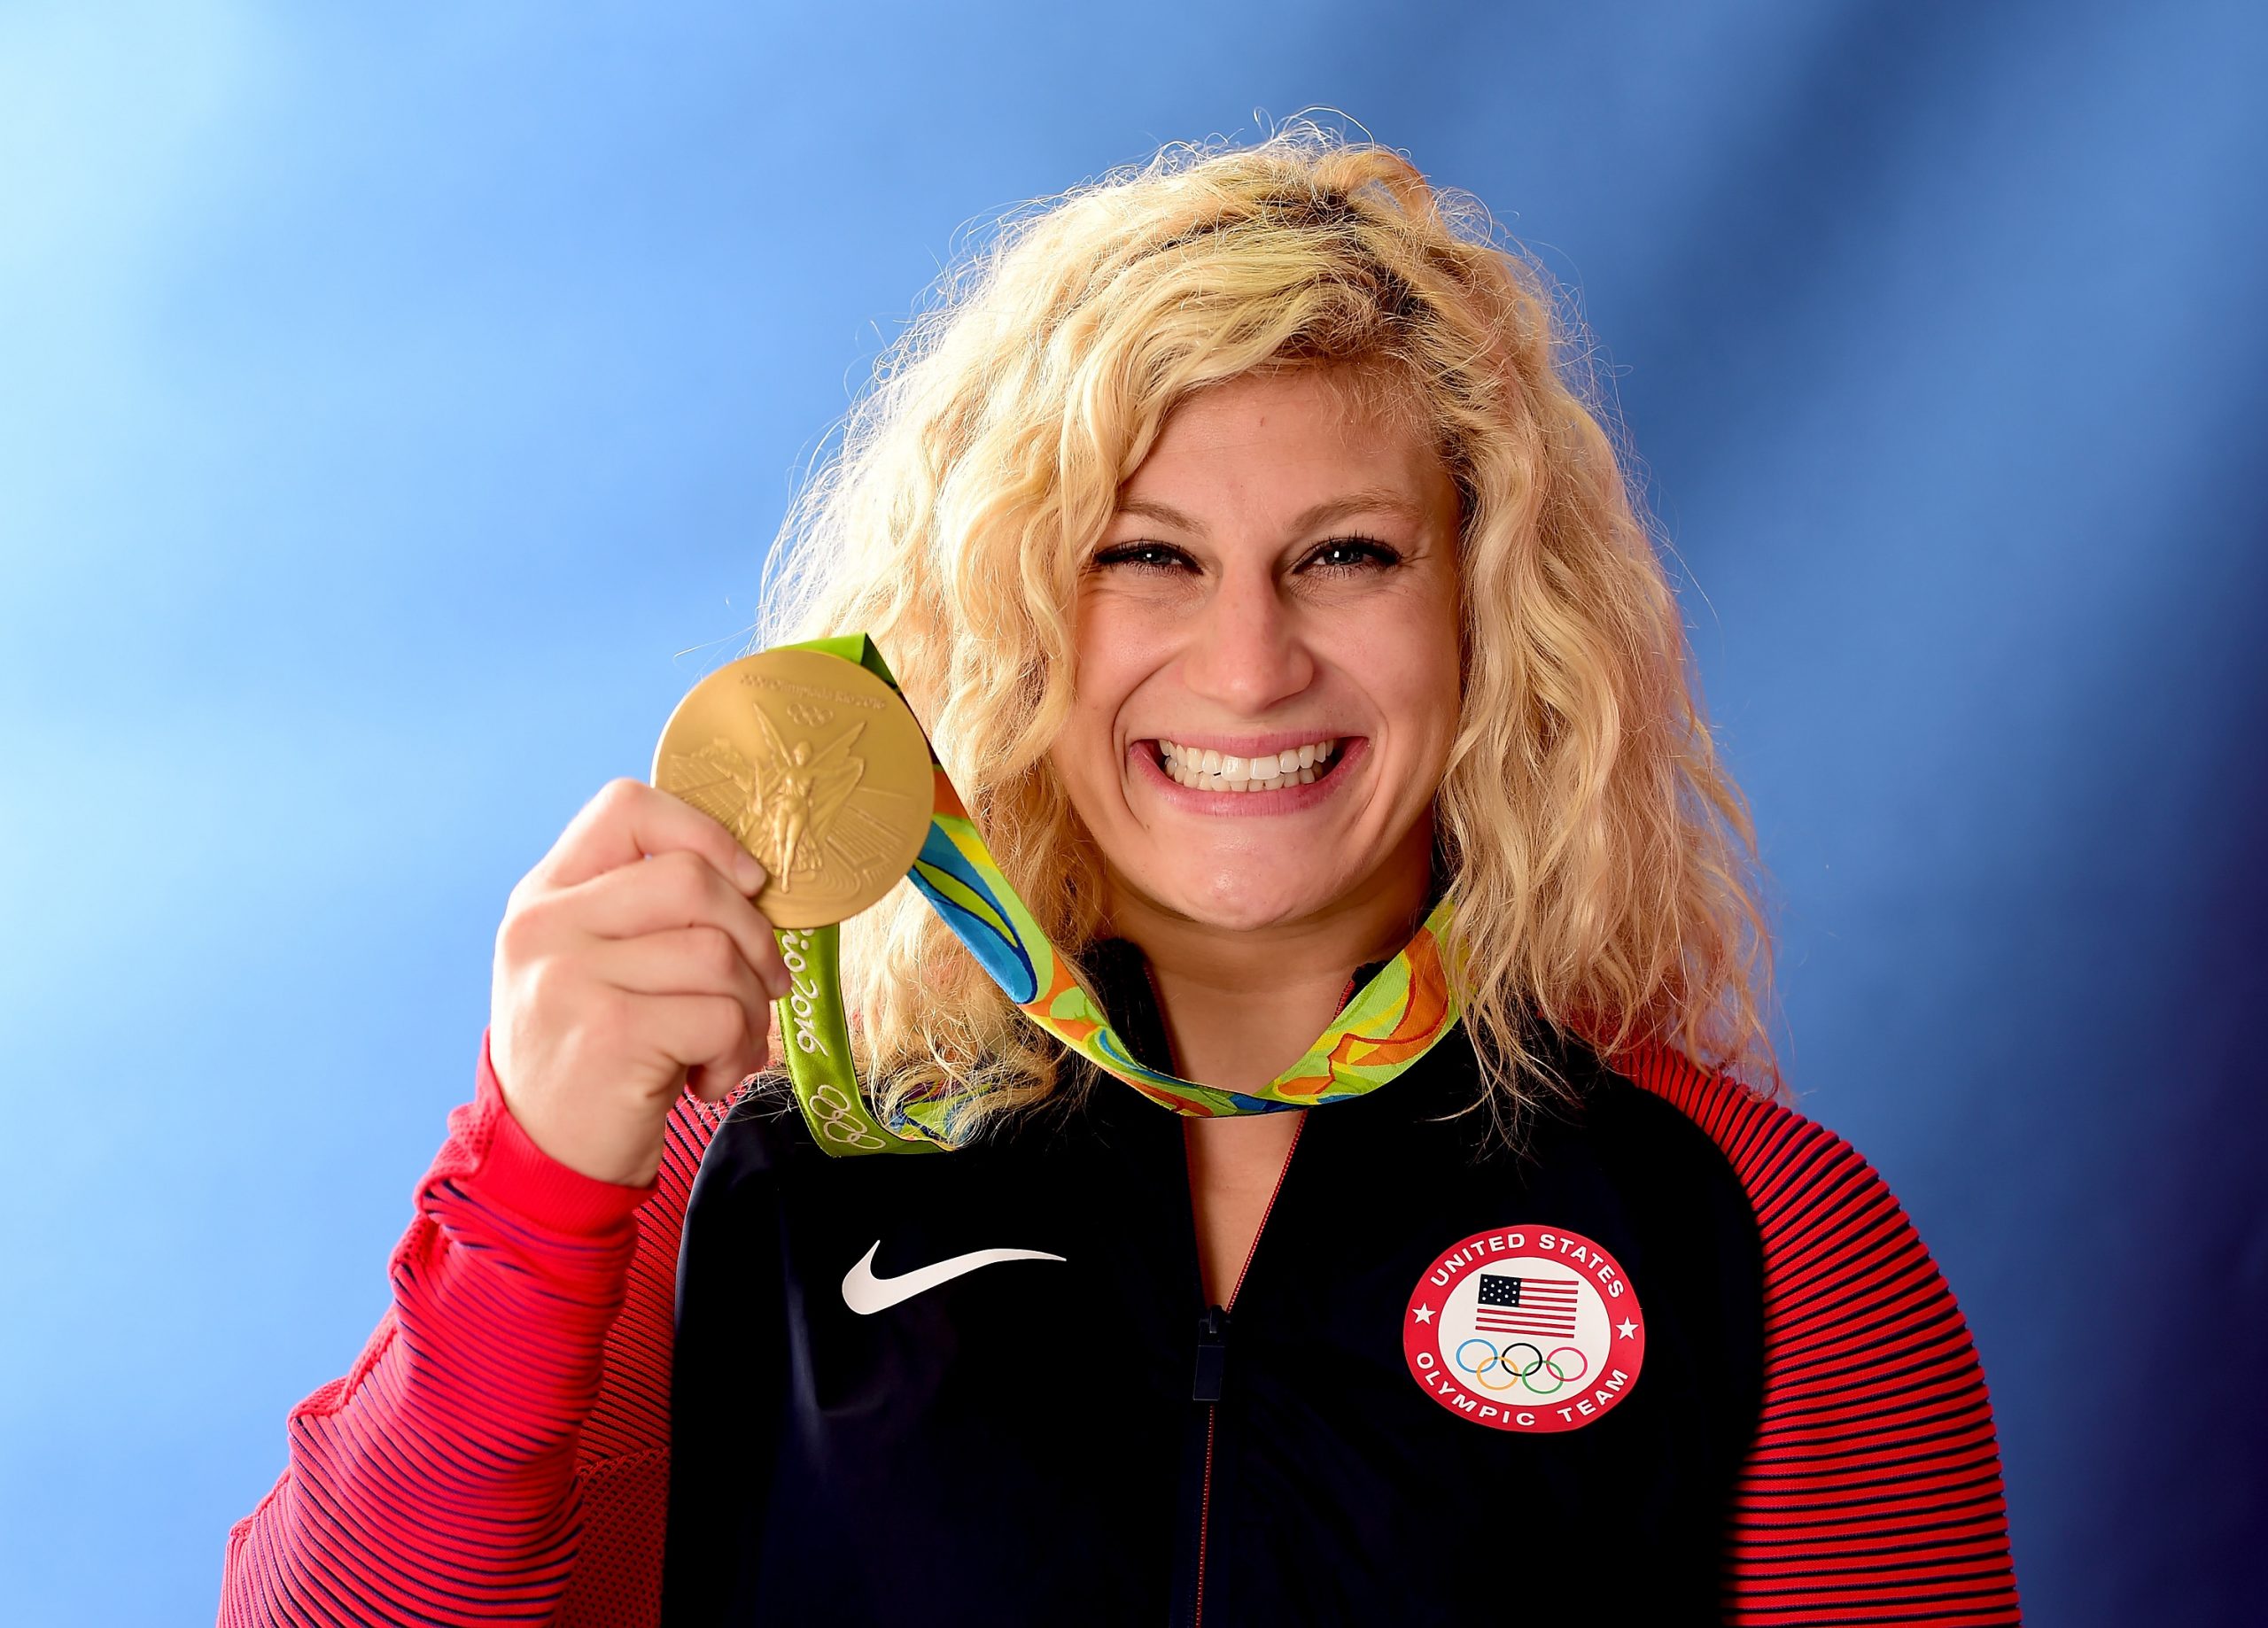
[1293,435]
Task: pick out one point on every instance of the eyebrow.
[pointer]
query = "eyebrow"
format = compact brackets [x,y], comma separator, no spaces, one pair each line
[1363,500]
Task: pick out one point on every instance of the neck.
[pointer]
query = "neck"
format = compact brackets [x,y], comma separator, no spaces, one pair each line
[1241,1007]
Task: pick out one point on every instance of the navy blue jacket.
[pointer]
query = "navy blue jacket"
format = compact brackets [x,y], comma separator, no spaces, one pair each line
[1084,1441]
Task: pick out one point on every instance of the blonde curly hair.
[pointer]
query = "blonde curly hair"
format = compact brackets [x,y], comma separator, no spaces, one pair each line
[1598,856]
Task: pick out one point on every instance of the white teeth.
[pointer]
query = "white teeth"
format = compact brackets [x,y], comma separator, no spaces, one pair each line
[1213,770]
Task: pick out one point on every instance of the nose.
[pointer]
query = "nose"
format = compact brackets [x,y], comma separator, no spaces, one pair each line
[1246,648]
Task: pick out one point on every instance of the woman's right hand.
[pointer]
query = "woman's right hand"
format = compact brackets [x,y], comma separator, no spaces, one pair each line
[630,966]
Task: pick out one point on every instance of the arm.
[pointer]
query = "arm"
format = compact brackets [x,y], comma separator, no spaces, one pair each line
[498,1452]
[1873,1490]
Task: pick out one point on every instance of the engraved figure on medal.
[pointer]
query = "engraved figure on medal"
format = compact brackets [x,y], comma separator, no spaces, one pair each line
[798,789]
[797,810]
[812,787]
[794,799]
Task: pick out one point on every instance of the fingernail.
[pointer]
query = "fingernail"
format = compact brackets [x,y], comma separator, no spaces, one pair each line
[748,872]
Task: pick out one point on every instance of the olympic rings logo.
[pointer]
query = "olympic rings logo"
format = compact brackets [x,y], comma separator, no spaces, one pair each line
[832,1109]
[1521,1372]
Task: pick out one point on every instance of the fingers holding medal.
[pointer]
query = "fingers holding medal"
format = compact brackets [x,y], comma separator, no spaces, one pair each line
[630,964]
[638,958]
[816,768]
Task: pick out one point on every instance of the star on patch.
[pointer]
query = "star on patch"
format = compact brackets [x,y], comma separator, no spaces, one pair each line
[1423,1314]
[1626,1327]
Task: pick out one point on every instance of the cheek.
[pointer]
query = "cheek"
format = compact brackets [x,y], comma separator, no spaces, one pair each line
[1445,666]
[1424,681]
[1446,692]
[1080,772]
[1086,749]
[1430,733]
[1111,653]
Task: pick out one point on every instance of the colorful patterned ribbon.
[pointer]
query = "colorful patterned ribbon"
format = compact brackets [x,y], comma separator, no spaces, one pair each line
[1394,1019]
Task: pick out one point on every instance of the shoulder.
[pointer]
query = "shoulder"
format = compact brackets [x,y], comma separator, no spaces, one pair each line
[1873,1487]
[1854,1307]
[1836,1240]
[1874,1439]
[1810,1189]
[1675,1180]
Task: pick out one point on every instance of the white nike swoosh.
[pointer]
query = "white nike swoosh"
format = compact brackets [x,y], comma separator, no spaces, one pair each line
[866,1294]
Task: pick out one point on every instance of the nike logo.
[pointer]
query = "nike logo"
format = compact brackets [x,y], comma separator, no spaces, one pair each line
[866,1294]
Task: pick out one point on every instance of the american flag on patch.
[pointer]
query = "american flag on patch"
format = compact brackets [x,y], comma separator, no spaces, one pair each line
[1527,1306]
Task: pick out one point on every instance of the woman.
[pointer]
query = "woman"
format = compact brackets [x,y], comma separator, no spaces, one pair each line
[1283,614]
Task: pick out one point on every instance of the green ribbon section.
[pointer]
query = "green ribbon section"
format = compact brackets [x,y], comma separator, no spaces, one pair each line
[818,1044]
[1393,1020]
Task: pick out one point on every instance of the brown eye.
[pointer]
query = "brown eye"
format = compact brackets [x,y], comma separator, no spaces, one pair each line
[1142,555]
[1351,553]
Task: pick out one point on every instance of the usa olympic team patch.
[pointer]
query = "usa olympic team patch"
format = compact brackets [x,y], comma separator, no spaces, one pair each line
[1527,1329]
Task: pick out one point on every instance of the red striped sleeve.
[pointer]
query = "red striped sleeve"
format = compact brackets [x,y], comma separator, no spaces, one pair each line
[497,1454]
[1873,1492]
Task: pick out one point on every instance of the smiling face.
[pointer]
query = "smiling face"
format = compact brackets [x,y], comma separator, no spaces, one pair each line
[1267,667]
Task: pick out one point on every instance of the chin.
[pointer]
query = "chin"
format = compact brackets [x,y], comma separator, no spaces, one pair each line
[1242,902]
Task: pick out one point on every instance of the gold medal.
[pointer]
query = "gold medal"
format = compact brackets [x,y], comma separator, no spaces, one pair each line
[816,767]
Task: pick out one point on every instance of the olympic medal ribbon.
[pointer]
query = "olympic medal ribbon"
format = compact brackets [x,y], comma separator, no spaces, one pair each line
[1393,1020]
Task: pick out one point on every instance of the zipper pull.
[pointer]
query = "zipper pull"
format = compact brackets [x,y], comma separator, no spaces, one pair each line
[1212,1355]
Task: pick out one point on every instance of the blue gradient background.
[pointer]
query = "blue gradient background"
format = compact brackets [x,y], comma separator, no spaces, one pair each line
[395,403]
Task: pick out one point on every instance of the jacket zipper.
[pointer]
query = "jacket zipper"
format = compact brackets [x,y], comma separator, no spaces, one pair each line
[1212,1366]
